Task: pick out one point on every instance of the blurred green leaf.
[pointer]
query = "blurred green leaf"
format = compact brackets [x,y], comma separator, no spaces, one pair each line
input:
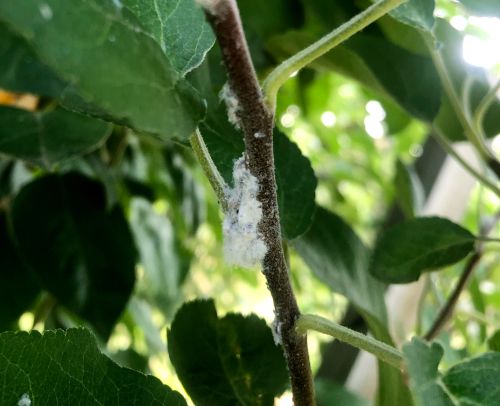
[225,361]
[490,8]
[179,27]
[61,367]
[155,240]
[409,190]
[45,138]
[18,286]
[82,252]
[423,244]
[113,69]
[330,393]
[337,256]
[494,341]
[451,48]
[416,13]
[422,361]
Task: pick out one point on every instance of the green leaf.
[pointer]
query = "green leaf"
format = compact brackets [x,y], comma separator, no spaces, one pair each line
[475,381]
[416,13]
[337,256]
[330,393]
[225,361]
[379,64]
[409,190]
[82,252]
[179,27]
[45,138]
[113,69]
[471,382]
[422,361]
[490,8]
[64,367]
[155,237]
[294,175]
[20,69]
[18,286]
[494,341]
[423,244]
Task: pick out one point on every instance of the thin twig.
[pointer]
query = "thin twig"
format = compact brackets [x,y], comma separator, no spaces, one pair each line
[382,351]
[448,308]
[255,118]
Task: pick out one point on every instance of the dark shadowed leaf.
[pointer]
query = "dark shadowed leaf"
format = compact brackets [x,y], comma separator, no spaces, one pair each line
[82,252]
[330,393]
[179,27]
[20,69]
[45,138]
[18,285]
[423,244]
[66,367]
[225,361]
[112,68]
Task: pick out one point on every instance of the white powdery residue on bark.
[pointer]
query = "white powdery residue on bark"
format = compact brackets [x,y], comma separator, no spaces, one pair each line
[243,244]
[208,5]
[259,135]
[276,330]
[232,105]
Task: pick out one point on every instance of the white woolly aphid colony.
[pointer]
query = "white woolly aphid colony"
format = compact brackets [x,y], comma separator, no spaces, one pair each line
[232,105]
[243,245]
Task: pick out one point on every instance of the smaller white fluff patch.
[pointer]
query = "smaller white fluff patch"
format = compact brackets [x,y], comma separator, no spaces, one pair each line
[208,5]
[276,330]
[232,105]
[24,401]
[243,245]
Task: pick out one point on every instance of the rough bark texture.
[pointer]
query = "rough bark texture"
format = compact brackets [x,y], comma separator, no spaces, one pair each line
[255,117]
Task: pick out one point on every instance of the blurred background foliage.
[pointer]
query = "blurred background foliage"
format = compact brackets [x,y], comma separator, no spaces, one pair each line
[362,145]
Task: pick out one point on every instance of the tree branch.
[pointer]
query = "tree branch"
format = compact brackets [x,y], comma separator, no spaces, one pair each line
[255,118]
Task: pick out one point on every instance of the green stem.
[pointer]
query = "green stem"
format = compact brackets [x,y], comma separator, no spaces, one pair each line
[484,105]
[445,143]
[382,351]
[303,58]
[475,137]
[487,239]
[216,181]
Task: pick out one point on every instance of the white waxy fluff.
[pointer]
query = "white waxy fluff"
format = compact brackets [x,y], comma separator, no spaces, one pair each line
[276,330]
[24,401]
[232,105]
[243,244]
